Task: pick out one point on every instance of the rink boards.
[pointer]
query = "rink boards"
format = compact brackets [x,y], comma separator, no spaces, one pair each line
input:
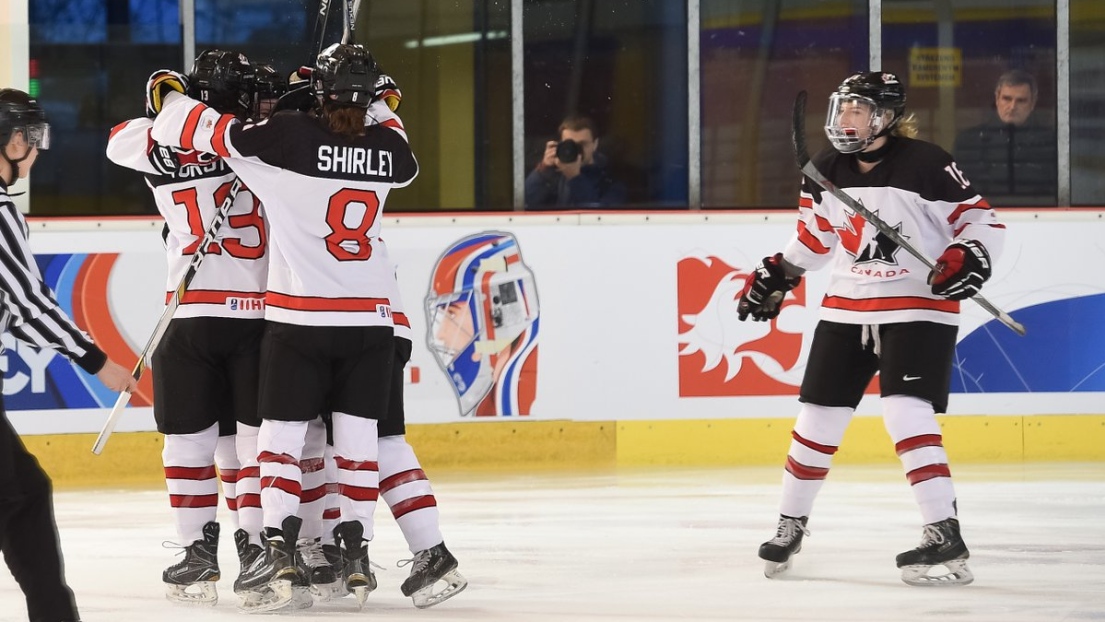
[634,355]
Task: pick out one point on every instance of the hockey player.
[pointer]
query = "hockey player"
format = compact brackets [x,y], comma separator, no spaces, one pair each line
[205,369]
[328,340]
[30,312]
[884,311]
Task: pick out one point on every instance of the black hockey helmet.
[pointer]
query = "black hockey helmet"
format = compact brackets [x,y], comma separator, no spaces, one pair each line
[223,80]
[883,96]
[345,74]
[20,112]
[268,86]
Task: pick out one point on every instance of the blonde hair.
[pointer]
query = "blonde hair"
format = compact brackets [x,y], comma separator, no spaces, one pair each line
[907,127]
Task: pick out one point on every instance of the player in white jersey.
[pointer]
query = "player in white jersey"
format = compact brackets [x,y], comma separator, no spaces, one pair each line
[205,369]
[883,311]
[30,312]
[328,343]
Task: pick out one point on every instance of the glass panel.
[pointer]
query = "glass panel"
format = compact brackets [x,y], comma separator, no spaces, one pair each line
[1087,102]
[756,56]
[623,65]
[951,59]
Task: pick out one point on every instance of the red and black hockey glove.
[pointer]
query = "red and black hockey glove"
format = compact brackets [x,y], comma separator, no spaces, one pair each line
[960,271]
[764,290]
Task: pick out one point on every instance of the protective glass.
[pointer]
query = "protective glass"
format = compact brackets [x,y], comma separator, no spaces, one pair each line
[38,135]
[853,122]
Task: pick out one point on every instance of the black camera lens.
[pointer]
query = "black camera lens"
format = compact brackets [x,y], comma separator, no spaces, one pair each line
[567,151]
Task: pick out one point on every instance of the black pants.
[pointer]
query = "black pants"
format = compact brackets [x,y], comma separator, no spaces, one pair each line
[28,533]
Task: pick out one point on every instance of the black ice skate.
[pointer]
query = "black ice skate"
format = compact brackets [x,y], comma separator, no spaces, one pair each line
[356,570]
[333,557]
[268,584]
[431,567]
[941,545]
[316,568]
[787,541]
[192,580]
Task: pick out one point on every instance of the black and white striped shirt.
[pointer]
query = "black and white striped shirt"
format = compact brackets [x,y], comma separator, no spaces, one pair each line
[28,309]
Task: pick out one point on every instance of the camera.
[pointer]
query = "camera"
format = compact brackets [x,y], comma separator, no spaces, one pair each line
[568,151]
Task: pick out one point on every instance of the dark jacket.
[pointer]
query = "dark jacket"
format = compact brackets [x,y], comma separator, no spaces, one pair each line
[1008,164]
[547,189]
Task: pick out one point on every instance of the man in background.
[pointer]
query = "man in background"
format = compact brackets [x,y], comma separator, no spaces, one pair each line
[572,174]
[1012,158]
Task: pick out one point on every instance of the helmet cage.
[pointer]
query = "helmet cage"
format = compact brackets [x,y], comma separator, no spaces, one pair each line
[853,121]
[269,86]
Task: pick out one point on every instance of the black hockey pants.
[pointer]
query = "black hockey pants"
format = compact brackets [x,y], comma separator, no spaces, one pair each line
[28,533]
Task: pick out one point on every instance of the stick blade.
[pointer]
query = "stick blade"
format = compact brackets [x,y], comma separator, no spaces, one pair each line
[112,419]
[798,130]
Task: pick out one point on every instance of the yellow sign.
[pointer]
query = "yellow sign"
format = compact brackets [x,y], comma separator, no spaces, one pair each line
[935,67]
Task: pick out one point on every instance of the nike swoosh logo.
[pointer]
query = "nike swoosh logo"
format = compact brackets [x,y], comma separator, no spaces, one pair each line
[908,378]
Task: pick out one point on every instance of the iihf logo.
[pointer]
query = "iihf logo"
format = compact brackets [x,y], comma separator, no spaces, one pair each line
[245,304]
[233,304]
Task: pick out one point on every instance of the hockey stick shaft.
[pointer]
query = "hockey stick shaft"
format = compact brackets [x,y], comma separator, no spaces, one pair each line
[808,168]
[320,28]
[167,314]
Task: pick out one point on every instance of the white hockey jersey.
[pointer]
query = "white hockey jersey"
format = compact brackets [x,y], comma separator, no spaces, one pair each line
[231,280]
[918,190]
[323,196]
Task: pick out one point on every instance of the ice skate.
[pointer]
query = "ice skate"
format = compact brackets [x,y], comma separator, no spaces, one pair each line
[314,565]
[268,584]
[356,571]
[941,546]
[432,567]
[333,557]
[192,580]
[787,541]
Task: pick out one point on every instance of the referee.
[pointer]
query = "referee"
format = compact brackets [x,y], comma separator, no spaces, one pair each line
[28,310]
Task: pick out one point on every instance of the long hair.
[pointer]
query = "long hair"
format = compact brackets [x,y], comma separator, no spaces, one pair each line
[348,121]
[907,127]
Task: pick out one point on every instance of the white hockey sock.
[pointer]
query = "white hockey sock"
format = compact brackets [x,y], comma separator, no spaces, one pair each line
[190,477]
[226,459]
[816,437]
[280,444]
[912,426]
[356,452]
[407,492]
[331,516]
[249,482]
[312,501]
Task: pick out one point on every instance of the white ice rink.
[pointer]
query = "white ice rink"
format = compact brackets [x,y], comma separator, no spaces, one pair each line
[656,545]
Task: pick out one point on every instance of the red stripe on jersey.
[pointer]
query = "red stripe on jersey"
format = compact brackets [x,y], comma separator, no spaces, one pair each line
[401,319]
[188,134]
[809,240]
[355,465]
[311,465]
[213,296]
[925,473]
[269,457]
[406,506]
[312,494]
[192,473]
[393,124]
[399,479]
[917,442]
[232,504]
[118,128]
[218,141]
[318,303]
[253,471]
[194,501]
[291,487]
[358,493]
[229,475]
[802,471]
[250,500]
[893,303]
[825,449]
[968,224]
[804,201]
[962,208]
[331,514]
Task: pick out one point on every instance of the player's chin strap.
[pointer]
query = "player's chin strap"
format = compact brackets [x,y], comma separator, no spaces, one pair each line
[14,164]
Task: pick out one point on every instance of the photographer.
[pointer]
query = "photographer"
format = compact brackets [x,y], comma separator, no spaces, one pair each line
[572,174]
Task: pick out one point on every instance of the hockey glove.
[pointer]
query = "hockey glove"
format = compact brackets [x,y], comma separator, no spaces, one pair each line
[387,90]
[161,83]
[764,290]
[960,271]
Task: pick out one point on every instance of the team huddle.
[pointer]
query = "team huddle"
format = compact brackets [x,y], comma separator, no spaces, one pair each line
[282,372]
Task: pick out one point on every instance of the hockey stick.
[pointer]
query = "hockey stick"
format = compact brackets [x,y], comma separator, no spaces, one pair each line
[352,8]
[167,315]
[320,27]
[802,154]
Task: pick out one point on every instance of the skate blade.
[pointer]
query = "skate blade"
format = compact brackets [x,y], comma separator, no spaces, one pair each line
[204,594]
[275,596]
[454,584]
[361,585]
[301,598]
[776,569]
[325,592]
[958,574]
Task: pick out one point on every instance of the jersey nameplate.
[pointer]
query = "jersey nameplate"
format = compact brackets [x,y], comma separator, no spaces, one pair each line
[354,161]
